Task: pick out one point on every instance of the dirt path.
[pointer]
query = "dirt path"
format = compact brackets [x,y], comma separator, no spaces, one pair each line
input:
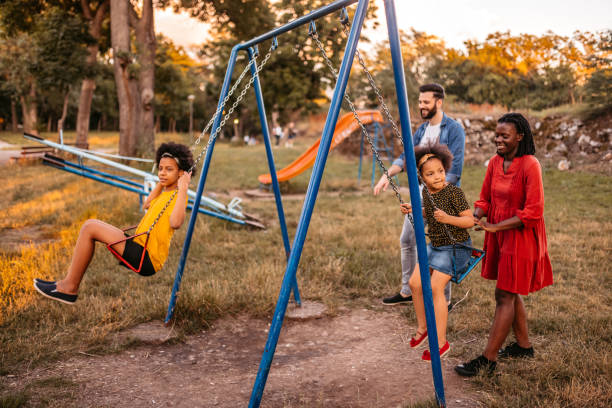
[358,359]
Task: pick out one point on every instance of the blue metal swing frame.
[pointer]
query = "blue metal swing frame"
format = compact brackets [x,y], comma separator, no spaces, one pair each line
[294,253]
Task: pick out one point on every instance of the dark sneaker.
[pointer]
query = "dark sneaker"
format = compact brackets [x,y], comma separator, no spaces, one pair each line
[513,350]
[43,281]
[50,291]
[450,306]
[470,369]
[397,299]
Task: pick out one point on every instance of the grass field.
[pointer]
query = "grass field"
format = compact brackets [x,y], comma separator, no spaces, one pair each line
[232,270]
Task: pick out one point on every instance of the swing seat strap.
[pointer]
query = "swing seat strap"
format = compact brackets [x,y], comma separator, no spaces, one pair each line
[122,259]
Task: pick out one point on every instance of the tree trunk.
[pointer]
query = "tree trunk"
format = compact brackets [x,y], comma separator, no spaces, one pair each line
[145,44]
[89,85]
[14,124]
[120,40]
[29,109]
[60,122]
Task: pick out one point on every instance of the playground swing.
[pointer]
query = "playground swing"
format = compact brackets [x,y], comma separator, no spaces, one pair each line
[476,255]
[211,138]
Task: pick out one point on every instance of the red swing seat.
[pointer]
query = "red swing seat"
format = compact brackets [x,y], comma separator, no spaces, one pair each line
[121,258]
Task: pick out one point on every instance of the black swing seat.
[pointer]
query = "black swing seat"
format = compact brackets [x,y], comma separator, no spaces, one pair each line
[475,257]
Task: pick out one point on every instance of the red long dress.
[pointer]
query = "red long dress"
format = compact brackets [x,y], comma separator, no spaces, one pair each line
[518,257]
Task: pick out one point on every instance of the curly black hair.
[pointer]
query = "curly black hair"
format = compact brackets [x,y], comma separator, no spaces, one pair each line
[439,151]
[526,145]
[178,151]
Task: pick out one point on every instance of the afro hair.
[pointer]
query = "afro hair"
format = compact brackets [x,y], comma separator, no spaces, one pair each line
[439,151]
[180,152]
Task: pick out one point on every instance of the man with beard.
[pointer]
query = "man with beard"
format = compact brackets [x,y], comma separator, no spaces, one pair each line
[437,128]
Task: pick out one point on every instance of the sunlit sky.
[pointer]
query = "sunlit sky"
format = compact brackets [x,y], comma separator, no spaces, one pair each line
[453,21]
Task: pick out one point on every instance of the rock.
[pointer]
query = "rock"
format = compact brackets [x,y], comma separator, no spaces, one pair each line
[488,118]
[608,156]
[466,122]
[594,143]
[564,165]
[486,163]
[560,148]
[557,136]
[537,125]
[584,140]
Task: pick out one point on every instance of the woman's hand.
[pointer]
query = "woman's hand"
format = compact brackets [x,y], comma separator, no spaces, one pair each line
[406,208]
[484,225]
[183,181]
[441,216]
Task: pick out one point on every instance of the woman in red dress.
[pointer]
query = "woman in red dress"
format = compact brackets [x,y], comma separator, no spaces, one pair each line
[512,200]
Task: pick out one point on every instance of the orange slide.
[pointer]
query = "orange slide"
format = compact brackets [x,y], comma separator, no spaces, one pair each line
[344,127]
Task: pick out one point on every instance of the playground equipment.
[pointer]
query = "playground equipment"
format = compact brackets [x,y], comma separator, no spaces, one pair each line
[380,143]
[231,212]
[294,254]
[344,128]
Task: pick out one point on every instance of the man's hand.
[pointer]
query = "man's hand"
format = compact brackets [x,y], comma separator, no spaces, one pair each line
[406,208]
[382,185]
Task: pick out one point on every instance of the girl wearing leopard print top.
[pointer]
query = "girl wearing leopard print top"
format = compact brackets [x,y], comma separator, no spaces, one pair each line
[451,208]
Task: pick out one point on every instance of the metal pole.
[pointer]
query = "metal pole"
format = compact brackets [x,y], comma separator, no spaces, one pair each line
[415,198]
[277,195]
[203,174]
[309,202]
[360,158]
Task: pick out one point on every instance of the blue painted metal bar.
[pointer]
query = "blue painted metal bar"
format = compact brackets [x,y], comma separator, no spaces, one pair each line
[141,192]
[360,158]
[374,164]
[309,202]
[415,198]
[323,11]
[261,107]
[101,173]
[203,175]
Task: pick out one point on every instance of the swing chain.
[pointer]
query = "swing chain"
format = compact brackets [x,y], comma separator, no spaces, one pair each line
[214,135]
[365,132]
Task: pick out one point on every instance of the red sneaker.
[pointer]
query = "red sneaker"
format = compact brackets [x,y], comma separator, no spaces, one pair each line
[443,351]
[414,343]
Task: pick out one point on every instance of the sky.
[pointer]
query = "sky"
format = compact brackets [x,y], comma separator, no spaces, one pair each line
[453,21]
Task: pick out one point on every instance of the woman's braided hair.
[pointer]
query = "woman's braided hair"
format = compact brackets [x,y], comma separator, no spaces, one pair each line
[526,145]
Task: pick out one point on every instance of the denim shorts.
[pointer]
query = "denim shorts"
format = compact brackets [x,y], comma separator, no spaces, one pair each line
[441,258]
[132,254]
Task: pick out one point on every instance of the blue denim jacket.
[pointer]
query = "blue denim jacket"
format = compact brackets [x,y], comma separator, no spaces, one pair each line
[452,135]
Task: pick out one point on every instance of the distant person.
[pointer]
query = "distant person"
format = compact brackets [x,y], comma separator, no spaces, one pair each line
[277,131]
[512,200]
[291,134]
[173,162]
[438,128]
[449,213]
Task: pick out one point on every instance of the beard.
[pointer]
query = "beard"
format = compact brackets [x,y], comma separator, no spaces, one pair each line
[429,113]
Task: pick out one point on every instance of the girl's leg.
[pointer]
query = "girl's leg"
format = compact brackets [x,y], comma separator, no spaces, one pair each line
[91,231]
[503,320]
[519,325]
[439,281]
[417,301]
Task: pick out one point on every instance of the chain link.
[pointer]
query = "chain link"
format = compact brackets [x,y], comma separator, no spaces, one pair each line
[226,116]
[364,131]
[391,120]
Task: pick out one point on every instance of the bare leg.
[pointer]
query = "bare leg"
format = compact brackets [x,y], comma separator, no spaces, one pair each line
[417,301]
[439,281]
[91,231]
[503,320]
[519,325]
